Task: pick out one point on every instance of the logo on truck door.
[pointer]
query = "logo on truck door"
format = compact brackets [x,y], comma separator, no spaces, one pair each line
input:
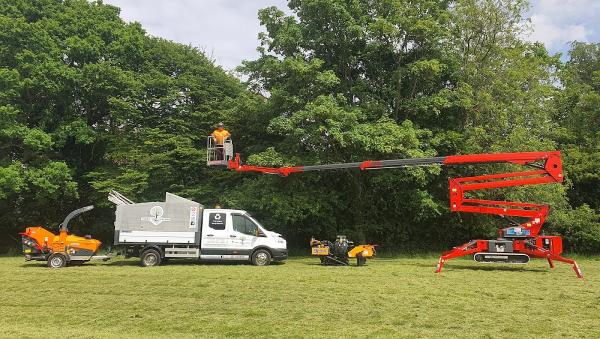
[216,221]
[156,216]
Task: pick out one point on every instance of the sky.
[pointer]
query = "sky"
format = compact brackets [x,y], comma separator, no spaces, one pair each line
[227,30]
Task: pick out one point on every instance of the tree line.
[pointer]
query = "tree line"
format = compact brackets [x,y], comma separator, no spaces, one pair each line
[89,103]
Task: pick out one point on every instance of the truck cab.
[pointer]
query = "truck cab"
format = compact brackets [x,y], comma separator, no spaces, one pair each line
[236,235]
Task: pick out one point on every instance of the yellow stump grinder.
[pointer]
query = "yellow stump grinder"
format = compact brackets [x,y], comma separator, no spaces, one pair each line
[340,251]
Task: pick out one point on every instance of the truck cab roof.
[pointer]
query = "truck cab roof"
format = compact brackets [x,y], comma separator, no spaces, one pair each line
[225,210]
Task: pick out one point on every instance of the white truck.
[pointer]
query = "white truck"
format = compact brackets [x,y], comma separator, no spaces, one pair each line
[182,228]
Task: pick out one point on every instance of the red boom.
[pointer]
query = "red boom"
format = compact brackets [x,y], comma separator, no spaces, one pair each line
[516,243]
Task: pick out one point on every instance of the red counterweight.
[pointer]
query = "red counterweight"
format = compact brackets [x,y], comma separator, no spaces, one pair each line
[515,244]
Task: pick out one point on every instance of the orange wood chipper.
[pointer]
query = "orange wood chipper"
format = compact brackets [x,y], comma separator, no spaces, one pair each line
[62,249]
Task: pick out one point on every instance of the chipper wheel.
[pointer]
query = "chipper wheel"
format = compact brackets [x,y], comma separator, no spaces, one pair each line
[57,260]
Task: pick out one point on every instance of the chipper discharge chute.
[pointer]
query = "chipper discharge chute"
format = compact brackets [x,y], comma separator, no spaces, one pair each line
[59,250]
[340,251]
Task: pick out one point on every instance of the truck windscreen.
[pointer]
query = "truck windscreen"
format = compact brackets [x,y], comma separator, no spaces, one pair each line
[260,227]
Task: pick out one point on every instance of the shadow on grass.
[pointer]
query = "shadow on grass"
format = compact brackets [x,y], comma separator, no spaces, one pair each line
[317,263]
[375,260]
[43,264]
[398,259]
[483,267]
[34,264]
[190,262]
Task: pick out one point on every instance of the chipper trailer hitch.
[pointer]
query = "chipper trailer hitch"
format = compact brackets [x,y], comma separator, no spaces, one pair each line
[516,243]
[59,250]
[338,253]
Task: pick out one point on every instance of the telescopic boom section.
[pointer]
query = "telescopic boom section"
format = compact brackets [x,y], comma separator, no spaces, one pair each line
[236,165]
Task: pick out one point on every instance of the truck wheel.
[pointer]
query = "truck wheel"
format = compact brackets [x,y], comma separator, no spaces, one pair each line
[57,260]
[150,258]
[360,261]
[261,258]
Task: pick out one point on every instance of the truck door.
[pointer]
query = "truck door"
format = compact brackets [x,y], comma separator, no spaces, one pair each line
[215,235]
[244,235]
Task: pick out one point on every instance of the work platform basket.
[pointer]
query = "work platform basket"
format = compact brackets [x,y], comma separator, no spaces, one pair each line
[218,155]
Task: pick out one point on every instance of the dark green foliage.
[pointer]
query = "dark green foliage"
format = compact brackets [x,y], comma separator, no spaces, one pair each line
[578,113]
[89,103]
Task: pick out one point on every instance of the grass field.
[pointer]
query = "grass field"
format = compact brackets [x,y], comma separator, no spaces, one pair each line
[399,297]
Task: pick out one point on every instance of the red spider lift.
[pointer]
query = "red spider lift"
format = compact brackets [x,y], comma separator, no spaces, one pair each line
[516,243]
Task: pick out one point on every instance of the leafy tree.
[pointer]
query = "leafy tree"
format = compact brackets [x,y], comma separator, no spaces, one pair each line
[339,77]
[578,114]
[89,103]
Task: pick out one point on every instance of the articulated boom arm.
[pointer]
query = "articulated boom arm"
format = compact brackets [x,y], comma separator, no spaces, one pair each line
[549,170]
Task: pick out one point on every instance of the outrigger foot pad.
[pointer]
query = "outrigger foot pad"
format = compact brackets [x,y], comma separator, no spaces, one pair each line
[577,270]
[439,266]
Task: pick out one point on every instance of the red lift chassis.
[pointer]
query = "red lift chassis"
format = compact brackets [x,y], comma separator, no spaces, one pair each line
[517,243]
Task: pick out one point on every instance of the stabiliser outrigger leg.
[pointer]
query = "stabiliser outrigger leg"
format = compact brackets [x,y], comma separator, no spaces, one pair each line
[515,244]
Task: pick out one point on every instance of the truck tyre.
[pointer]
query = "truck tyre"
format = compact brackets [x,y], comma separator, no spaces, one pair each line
[57,260]
[261,258]
[360,261]
[150,258]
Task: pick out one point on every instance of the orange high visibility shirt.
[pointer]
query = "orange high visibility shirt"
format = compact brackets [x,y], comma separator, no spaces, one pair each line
[220,136]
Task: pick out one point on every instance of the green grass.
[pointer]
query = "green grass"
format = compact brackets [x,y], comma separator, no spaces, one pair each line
[399,297]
